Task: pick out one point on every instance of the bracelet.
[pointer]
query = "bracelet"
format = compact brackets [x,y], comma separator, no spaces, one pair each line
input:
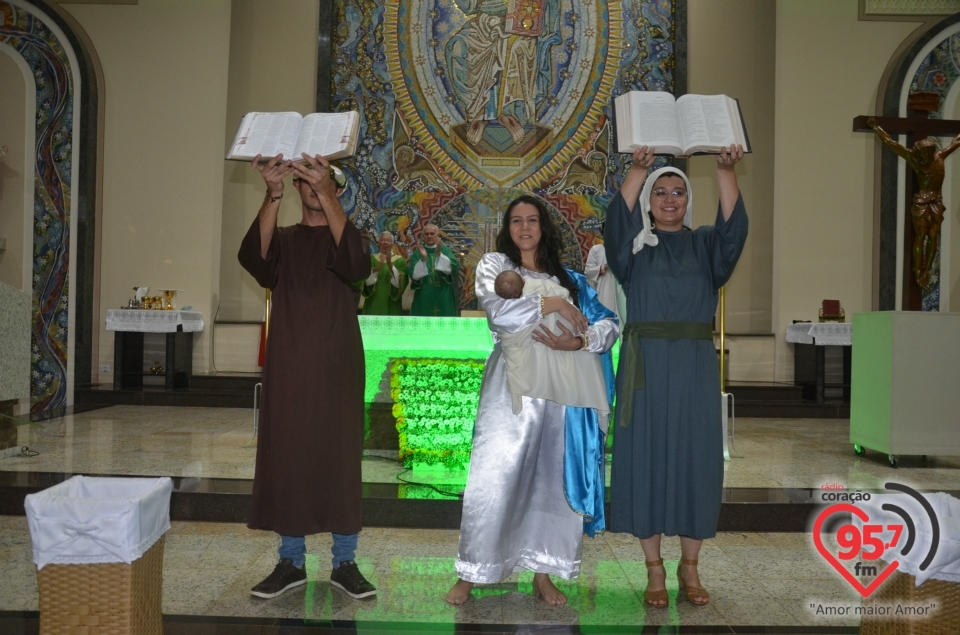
[586,342]
[542,315]
[274,199]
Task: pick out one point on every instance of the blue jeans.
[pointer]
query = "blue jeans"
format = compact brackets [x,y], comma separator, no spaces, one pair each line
[295,547]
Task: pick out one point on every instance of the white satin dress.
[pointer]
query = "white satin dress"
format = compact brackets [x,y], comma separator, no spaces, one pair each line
[515,512]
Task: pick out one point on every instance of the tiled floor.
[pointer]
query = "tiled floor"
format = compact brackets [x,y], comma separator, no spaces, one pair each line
[215,443]
[755,579]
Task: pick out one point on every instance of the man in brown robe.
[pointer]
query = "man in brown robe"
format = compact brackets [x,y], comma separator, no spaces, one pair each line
[308,477]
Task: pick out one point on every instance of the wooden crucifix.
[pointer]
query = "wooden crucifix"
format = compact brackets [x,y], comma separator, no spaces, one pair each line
[924,190]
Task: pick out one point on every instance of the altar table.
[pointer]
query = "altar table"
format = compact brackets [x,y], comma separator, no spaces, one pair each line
[905,384]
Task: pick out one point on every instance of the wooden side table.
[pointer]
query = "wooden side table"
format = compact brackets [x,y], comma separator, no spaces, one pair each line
[129,326]
[128,360]
[809,361]
[809,371]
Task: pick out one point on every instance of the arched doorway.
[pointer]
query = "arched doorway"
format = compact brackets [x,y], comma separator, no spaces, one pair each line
[60,173]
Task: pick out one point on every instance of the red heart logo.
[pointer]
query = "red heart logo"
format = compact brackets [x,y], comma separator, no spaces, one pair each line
[829,557]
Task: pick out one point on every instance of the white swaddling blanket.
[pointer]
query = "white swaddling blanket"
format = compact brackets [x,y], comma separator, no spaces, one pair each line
[570,378]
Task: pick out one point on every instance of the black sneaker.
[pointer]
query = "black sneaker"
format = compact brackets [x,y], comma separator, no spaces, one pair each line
[347,577]
[285,576]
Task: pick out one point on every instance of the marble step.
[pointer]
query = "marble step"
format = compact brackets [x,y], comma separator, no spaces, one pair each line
[417,506]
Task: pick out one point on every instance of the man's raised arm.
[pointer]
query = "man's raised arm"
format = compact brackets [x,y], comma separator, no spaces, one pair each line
[273,173]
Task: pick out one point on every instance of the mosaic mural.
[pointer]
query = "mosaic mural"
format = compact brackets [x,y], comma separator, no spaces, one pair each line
[465,104]
[44,54]
[938,72]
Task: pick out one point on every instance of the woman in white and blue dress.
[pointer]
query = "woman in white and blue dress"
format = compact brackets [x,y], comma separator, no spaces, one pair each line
[536,478]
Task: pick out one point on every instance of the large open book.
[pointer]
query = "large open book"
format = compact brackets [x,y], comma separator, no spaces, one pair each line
[692,124]
[330,134]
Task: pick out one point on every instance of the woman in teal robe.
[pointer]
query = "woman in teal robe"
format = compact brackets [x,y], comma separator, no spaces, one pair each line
[667,475]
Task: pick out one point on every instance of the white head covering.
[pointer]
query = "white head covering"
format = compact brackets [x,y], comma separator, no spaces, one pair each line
[646,235]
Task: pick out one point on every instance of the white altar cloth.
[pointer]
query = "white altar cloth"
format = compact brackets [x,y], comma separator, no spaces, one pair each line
[821,333]
[154,321]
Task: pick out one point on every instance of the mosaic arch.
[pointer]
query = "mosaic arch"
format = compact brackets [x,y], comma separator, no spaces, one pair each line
[26,30]
[466,104]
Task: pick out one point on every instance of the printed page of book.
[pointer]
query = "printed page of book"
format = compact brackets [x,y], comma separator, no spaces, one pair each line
[705,123]
[649,120]
[267,134]
[739,127]
[329,134]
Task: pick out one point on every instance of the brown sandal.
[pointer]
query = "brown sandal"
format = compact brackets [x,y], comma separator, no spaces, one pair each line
[696,595]
[657,599]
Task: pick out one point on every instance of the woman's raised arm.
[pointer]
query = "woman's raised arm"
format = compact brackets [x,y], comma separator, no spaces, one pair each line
[727,178]
[622,223]
[633,183]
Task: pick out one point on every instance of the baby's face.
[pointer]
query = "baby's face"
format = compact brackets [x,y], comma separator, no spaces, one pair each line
[509,285]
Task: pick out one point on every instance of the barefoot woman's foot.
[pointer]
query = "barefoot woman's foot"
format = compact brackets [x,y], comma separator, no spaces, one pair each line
[543,588]
[459,593]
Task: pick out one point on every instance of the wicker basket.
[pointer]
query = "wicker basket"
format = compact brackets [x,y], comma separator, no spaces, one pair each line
[103,599]
[901,588]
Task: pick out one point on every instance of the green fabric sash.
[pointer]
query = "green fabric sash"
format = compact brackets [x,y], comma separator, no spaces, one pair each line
[632,376]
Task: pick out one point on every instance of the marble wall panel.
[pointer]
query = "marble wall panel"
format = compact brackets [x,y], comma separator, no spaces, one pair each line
[14,343]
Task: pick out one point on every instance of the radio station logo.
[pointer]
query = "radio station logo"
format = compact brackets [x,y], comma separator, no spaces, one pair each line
[861,544]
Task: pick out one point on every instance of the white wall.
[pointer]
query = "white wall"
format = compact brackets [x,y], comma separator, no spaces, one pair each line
[260,83]
[745,71]
[165,67]
[828,69]
[179,74]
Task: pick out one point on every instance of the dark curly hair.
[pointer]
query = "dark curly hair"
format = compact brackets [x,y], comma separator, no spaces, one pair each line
[548,250]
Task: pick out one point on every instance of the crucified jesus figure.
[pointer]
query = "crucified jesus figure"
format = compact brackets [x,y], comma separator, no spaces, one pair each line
[927,210]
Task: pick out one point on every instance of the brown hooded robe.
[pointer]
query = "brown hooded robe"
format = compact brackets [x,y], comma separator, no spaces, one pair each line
[310,444]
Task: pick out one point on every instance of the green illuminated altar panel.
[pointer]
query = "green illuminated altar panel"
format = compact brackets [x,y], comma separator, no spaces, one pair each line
[387,337]
[392,343]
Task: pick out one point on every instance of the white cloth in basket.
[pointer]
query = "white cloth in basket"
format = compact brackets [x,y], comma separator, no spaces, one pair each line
[89,520]
[946,563]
